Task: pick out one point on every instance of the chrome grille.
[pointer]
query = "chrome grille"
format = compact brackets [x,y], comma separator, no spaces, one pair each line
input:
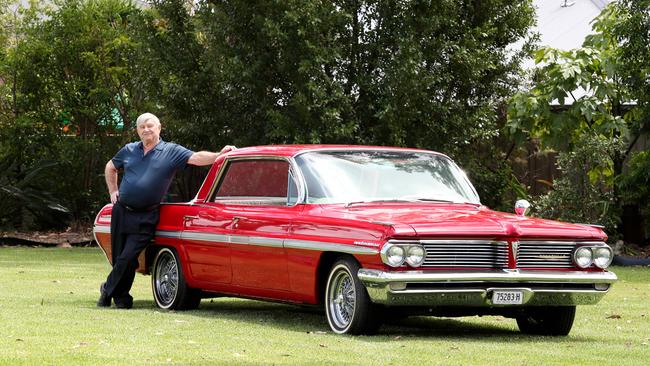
[466,253]
[545,254]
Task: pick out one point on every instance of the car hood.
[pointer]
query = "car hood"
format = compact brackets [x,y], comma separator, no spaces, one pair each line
[461,220]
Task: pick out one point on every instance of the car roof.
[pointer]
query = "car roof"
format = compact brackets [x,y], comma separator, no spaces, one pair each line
[293,150]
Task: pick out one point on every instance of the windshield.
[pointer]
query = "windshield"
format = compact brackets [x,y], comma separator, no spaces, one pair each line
[366,175]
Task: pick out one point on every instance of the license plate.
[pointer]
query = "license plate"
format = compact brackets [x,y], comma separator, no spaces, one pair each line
[500,297]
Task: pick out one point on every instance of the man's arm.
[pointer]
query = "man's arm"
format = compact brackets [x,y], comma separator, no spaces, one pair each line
[202,158]
[110,173]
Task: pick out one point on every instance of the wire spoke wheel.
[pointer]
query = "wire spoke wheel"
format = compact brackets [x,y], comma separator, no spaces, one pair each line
[347,305]
[342,298]
[166,278]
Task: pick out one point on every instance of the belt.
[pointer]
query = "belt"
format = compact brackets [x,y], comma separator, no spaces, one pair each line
[140,209]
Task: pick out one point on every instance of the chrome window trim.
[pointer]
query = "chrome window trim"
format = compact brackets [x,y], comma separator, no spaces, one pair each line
[210,197]
[379,148]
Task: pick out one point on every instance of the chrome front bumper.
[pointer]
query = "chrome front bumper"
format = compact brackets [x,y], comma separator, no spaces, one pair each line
[418,288]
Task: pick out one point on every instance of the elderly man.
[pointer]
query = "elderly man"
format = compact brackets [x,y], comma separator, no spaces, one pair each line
[149,166]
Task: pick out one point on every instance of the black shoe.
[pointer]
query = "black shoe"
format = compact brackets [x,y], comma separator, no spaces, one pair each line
[104,300]
[124,302]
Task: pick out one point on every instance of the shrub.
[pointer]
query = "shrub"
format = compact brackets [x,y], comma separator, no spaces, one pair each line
[585,191]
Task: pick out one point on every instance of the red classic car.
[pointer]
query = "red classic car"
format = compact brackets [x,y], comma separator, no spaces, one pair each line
[368,232]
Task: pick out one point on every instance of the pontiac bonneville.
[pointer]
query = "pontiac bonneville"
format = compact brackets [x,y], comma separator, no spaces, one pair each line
[367,233]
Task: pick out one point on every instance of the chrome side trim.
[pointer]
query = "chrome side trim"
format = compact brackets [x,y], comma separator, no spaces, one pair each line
[233,239]
[172,234]
[188,235]
[267,242]
[324,246]
[259,241]
[239,239]
[106,229]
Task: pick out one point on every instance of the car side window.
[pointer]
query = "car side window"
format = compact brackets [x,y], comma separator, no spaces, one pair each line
[256,182]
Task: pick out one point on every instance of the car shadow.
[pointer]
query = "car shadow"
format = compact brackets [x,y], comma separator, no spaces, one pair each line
[311,319]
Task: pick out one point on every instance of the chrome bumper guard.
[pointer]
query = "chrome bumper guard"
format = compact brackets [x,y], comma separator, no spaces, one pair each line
[418,288]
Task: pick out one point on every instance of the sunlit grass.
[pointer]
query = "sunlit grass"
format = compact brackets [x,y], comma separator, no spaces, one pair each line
[48,317]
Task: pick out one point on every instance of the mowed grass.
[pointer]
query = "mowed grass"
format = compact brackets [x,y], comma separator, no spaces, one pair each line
[48,317]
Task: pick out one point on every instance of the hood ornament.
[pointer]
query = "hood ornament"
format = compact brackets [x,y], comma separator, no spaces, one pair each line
[522,207]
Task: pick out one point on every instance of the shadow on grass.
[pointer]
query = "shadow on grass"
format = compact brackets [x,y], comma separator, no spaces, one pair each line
[310,319]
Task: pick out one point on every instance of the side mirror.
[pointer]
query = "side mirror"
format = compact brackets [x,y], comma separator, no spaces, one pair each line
[522,207]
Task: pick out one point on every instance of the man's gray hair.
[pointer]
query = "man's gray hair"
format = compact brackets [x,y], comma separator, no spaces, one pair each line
[144,117]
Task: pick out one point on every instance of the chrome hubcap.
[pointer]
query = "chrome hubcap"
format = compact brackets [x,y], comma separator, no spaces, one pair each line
[342,296]
[166,279]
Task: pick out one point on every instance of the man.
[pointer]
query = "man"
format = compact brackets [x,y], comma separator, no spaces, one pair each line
[149,166]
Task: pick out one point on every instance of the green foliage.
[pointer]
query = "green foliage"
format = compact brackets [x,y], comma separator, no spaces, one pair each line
[496,183]
[421,74]
[634,183]
[68,83]
[632,29]
[580,197]
[593,72]
[606,82]
[24,199]
[76,63]
[406,73]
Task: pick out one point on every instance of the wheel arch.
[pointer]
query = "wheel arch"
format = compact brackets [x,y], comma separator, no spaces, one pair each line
[325,263]
[155,247]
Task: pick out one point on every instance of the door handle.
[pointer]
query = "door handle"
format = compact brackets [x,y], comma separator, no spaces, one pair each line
[235,221]
[189,217]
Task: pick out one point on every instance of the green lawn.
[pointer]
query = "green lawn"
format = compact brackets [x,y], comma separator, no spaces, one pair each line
[48,317]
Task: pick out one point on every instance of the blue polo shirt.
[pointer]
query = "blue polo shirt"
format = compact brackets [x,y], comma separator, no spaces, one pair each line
[146,178]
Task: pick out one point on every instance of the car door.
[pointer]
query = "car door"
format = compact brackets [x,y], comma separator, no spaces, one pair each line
[256,191]
[206,240]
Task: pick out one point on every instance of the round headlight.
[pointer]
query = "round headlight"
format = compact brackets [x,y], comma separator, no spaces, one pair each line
[602,257]
[395,256]
[583,257]
[415,256]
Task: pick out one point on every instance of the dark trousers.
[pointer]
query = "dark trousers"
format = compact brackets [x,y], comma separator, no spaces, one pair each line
[131,233]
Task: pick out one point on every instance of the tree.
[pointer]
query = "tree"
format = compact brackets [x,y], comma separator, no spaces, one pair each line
[399,73]
[633,31]
[418,73]
[71,89]
[422,74]
[603,112]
